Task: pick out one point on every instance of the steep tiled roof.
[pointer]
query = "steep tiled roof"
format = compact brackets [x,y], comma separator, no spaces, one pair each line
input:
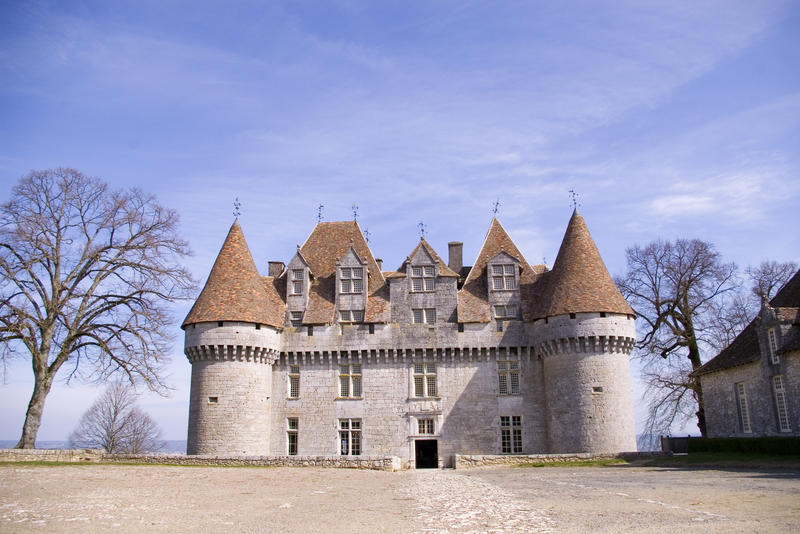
[789,294]
[473,298]
[444,270]
[743,349]
[235,291]
[328,243]
[579,281]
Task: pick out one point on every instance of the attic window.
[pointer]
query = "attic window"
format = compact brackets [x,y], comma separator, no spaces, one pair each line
[351,316]
[508,311]
[504,277]
[296,318]
[352,280]
[297,281]
[423,278]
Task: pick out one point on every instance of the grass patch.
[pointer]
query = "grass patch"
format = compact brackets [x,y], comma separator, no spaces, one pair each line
[728,459]
[601,462]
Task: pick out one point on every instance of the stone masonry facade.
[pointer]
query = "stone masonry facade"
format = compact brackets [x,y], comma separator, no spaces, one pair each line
[330,356]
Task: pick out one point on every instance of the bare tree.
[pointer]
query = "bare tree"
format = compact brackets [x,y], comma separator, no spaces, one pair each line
[673,287]
[116,424]
[770,276]
[86,275]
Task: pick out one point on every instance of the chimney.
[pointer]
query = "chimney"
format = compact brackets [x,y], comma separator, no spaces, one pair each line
[380,263]
[455,259]
[275,268]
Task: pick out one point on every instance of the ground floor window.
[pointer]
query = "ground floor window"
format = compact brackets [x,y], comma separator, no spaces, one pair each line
[511,434]
[350,436]
[744,411]
[291,435]
[780,403]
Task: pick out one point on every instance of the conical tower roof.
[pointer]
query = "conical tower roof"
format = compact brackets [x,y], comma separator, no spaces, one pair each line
[234,290]
[579,281]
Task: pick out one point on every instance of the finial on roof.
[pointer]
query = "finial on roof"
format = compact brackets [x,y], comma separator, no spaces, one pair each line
[422,229]
[354,207]
[237,208]
[319,212]
[496,207]
[574,197]
[298,248]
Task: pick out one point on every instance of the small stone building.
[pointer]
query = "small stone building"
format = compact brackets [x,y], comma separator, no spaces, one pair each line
[330,354]
[752,388]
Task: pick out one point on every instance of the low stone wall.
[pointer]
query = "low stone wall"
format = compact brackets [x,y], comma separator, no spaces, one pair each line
[466,461]
[381,463]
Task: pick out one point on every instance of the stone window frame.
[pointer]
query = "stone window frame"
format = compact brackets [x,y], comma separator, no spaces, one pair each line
[351,381]
[508,372]
[293,386]
[292,429]
[423,316]
[351,316]
[772,346]
[781,406]
[350,432]
[508,276]
[298,276]
[424,380]
[422,278]
[511,434]
[296,318]
[351,280]
[742,408]
[426,426]
[506,312]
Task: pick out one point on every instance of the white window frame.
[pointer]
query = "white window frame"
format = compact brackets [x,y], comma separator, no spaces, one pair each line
[782,410]
[424,380]
[772,346]
[350,443]
[296,318]
[743,409]
[508,377]
[292,429]
[351,316]
[511,434]
[423,278]
[350,381]
[503,276]
[423,316]
[351,280]
[506,311]
[293,386]
[297,282]
[426,426]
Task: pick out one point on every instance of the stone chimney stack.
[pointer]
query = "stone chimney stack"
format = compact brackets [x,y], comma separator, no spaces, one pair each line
[276,268]
[455,257]
[380,263]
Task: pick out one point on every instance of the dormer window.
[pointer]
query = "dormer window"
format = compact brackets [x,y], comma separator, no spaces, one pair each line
[507,311]
[504,276]
[351,316]
[423,278]
[352,280]
[297,281]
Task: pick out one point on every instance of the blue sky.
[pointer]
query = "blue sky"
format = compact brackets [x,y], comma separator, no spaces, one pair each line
[670,119]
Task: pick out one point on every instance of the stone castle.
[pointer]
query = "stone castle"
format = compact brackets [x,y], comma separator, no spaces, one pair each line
[331,355]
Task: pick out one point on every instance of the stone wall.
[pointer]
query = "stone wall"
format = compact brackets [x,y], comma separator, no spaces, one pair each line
[51,455]
[463,461]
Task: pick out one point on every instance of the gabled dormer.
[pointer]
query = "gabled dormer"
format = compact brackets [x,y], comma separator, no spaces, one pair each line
[503,272]
[298,283]
[351,286]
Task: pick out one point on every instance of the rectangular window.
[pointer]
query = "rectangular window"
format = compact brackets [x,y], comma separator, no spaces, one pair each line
[425,380]
[423,278]
[296,318]
[351,280]
[425,426]
[509,311]
[350,436]
[424,315]
[744,412]
[294,381]
[508,377]
[772,346]
[504,277]
[351,316]
[780,403]
[297,281]
[511,434]
[291,435]
[350,381]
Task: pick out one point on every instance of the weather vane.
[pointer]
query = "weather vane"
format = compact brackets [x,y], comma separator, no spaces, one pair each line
[354,207]
[366,234]
[496,207]
[319,212]
[574,197]
[237,208]
[422,228]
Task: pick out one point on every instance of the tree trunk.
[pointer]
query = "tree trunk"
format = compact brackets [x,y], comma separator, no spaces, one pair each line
[33,417]
[694,358]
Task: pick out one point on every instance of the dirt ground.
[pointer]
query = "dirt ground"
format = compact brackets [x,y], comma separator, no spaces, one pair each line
[122,499]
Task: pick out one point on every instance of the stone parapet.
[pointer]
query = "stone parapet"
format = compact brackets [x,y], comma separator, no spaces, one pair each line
[466,461]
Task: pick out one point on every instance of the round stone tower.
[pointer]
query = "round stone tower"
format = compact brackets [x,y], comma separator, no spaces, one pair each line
[584,330]
[232,340]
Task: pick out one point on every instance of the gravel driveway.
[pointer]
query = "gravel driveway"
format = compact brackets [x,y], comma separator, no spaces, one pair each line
[121,499]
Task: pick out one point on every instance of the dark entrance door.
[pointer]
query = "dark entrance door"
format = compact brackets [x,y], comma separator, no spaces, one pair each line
[427,453]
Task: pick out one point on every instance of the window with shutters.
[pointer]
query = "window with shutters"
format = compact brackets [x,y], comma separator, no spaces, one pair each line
[780,403]
[508,377]
[423,278]
[511,434]
[350,381]
[425,380]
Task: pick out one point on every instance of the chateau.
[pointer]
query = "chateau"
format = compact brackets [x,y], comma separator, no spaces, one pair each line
[331,355]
